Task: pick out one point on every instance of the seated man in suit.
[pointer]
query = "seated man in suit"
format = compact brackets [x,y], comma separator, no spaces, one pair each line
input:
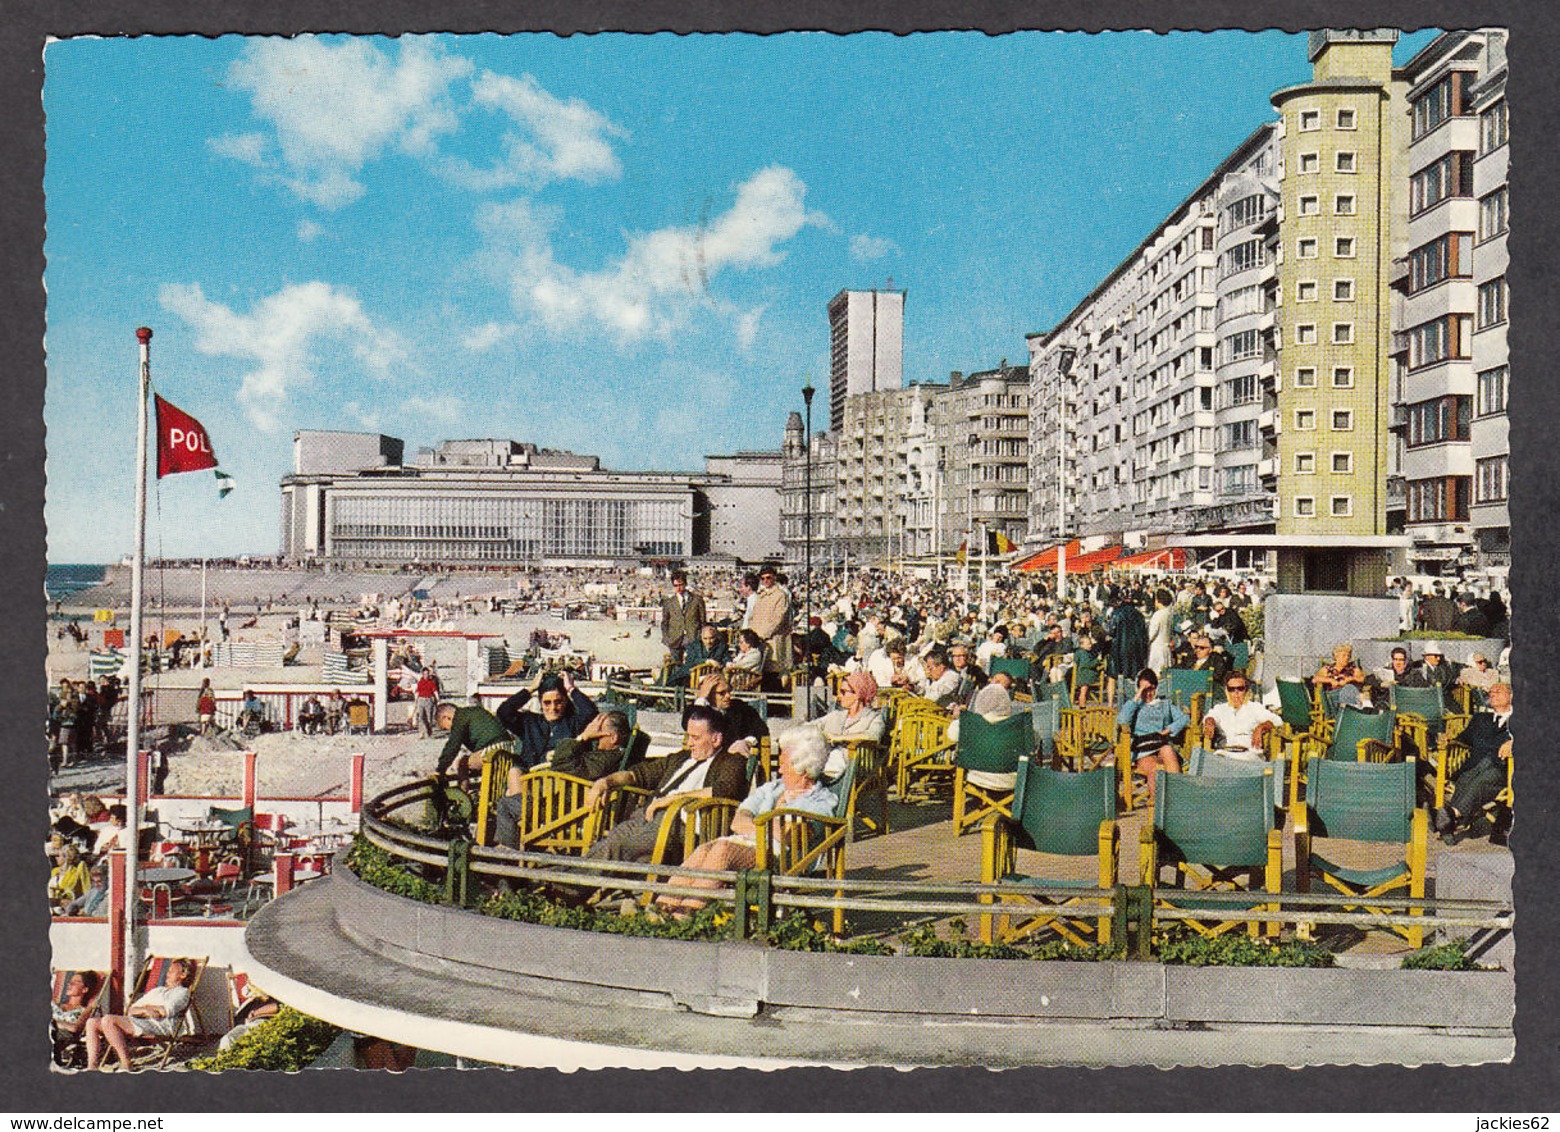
[1483,776]
[711,646]
[1206,658]
[701,770]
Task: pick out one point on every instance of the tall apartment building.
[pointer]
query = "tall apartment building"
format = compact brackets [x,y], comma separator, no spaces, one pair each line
[981,429]
[866,346]
[1235,374]
[875,494]
[1340,228]
[1451,352]
[1153,401]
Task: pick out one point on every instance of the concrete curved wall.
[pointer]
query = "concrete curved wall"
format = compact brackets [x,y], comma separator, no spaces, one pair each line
[341,947]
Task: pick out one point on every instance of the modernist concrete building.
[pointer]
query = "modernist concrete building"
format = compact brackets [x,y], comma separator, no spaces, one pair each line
[350,500]
[866,346]
[1451,351]
[1285,353]
[981,431]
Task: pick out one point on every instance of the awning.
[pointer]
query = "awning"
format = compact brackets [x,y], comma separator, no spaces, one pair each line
[1084,563]
[1046,559]
[1165,558]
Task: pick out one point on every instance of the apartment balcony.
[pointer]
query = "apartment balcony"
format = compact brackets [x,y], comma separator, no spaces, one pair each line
[1399,343]
[1268,469]
[1267,423]
[1399,419]
[1397,275]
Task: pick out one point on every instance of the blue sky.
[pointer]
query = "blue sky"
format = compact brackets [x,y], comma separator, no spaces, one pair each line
[621,245]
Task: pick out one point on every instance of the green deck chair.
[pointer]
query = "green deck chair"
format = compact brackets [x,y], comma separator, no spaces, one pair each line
[1015,666]
[1370,802]
[1059,813]
[1211,764]
[992,748]
[1215,833]
[1357,736]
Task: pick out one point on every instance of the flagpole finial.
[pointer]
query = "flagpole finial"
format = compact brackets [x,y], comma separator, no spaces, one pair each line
[143,334]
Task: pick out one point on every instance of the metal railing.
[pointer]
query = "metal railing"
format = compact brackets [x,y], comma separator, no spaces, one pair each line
[760,898]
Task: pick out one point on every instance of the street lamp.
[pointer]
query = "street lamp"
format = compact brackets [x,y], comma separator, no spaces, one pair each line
[807,396]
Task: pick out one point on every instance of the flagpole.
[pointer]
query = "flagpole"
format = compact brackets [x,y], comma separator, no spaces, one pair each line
[133,799]
[202,644]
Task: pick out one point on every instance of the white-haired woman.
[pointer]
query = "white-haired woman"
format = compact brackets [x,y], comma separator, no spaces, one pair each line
[803,754]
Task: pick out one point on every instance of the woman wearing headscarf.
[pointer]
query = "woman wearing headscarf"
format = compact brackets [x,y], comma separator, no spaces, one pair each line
[855,718]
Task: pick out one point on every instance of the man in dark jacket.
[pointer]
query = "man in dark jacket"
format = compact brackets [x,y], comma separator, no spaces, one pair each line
[1128,640]
[565,712]
[1470,618]
[1230,622]
[1483,776]
[702,769]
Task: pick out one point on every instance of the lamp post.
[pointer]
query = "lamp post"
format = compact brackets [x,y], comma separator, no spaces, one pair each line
[807,396]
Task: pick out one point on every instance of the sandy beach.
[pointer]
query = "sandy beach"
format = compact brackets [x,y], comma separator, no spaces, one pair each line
[291,763]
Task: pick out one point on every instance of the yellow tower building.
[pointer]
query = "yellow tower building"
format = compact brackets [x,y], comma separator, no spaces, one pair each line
[1339,222]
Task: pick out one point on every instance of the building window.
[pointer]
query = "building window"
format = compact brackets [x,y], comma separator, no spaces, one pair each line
[1306,249]
[1342,506]
[1492,214]
[1445,257]
[1305,420]
[1489,477]
[1346,118]
[1441,500]
[1343,290]
[1343,377]
[1492,302]
[1448,176]
[1244,256]
[1492,392]
[1343,463]
[1310,162]
[1247,210]
[1305,506]
[1439,340]
[1310,206]
[1240,480]
[1446,99]
[1343,204]
[1305,334]
[1492,127]
[1344,247]
[1345,161]
[1439,420]
[1246,344]
[1240,390]
[1343,420]
[1240,435]
[1343,333]
[1310,120]
[1305,463]
[1305,377]
[1305,291]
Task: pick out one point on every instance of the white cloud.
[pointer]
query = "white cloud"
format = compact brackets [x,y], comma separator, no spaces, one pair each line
[557,139]
[282,337]
[662,275]
[310,230]
[488,335]
[333,107]
[865,249]
[445,410]
[747,327]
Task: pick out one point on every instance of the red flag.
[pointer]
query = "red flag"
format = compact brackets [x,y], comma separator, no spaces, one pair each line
[182,443]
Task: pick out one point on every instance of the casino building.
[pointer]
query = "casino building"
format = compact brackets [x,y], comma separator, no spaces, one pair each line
[352,500]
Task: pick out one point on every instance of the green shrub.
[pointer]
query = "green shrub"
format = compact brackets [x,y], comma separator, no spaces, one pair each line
[1434,635]
[1252,616]
[924,942]
[800,932]
[287,1042]
[378,868]
[1182,946]
[1451,956]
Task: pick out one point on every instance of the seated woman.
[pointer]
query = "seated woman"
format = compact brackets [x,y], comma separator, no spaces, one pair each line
[993,704]
[855,718]
[803,752]
[749,658]
[70,879]
[70,1014]
[157,1013]
[1342,675]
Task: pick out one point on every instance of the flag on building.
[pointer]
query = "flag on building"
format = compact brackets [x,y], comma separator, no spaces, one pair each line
[224,483]
[182,443]
[999,543]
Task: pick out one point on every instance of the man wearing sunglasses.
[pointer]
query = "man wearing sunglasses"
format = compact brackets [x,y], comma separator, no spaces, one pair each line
[1238,726]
